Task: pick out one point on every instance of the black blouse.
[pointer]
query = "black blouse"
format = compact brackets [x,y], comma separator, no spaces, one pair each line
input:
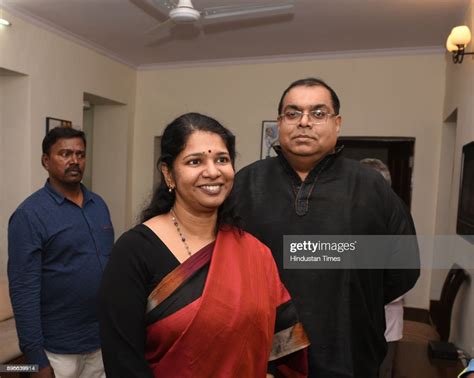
[139,261]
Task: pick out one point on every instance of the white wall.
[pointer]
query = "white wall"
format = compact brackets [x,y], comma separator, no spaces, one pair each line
[380,96]
[459,96]
[88,128]
[14,151]
[111,155]
[59,73]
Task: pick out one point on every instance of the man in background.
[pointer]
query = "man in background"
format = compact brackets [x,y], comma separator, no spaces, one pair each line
[310,189]
[59,240]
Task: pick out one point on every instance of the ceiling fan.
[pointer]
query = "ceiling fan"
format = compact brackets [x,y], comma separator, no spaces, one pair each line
[183,12]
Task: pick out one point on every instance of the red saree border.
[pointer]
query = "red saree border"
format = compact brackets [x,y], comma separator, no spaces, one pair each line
[178,276]
[288,341]
[232,331]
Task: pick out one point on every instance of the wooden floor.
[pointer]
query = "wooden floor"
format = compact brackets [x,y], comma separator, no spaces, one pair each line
[412,361]
[17,361]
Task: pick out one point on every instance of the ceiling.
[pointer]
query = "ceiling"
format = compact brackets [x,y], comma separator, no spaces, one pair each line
[120,28]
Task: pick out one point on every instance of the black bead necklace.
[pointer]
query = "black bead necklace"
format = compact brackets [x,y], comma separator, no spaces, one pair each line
[183,239]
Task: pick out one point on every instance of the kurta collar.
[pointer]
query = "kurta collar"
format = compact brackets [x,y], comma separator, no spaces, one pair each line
[303,189]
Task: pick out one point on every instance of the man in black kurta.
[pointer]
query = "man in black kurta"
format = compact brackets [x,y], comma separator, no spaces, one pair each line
[311,189]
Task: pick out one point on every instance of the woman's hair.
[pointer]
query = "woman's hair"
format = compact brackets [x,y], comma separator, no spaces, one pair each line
[174,141]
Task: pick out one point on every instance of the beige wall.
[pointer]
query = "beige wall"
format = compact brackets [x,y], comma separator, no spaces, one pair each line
[109,174]
[459,98]
[380,96]
[58,72]
[14,151]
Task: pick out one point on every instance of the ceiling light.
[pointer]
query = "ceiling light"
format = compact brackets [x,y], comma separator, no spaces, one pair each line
[457,41]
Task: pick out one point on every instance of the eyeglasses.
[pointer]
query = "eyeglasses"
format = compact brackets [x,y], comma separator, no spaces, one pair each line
[315,117]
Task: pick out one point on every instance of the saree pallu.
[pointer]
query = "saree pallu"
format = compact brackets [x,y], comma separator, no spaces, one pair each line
[242,318]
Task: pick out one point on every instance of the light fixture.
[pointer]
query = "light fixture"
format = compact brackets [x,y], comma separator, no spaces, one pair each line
[456,43]
[5,22]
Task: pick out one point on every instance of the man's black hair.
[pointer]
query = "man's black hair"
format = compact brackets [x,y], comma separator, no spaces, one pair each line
[311,82]
[61,132]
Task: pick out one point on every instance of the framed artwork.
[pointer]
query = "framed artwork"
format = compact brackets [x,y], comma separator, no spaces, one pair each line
[51,123]
[269,139]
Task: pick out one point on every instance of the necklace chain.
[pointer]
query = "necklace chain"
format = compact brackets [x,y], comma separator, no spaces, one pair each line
[183,239]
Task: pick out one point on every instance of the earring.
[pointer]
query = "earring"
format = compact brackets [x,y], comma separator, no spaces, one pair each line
[170,189]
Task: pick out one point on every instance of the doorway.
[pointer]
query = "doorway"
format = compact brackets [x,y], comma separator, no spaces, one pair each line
[396,152]
[106,123]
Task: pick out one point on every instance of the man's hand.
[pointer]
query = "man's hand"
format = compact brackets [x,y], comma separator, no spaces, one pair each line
[46,372]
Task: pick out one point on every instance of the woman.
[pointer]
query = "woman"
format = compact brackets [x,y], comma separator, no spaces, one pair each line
[186,294]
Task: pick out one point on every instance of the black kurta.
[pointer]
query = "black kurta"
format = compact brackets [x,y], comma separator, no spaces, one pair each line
[342,310]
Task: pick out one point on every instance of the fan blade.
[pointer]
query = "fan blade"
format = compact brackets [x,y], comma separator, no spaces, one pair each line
[245,10]
[185,32]
[159,26]
[163,6]
[178,32]
[148,6]
[226,25]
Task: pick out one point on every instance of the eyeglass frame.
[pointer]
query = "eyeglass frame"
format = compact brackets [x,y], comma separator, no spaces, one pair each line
[310,121]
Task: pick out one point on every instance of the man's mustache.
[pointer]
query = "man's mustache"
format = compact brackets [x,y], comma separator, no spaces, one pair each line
[74,168]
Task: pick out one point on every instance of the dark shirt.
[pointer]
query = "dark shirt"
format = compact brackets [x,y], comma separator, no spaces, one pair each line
[342,310]
[57,252]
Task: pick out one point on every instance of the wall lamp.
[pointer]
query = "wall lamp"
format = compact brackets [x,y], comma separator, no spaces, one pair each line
[5,22]
[456,43]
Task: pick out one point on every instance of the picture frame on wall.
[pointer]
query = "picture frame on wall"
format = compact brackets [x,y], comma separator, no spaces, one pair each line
[51,123]
[269,139]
